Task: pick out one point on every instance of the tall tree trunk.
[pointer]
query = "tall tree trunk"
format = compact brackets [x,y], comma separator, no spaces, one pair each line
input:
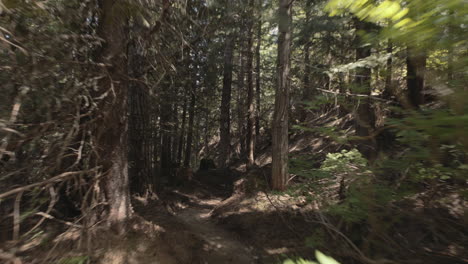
[365,115]
[188,147]
[415,68]
[257,80]
[175,133]
[250,137]
[388,91]
[451,36]
[280,140]
[306,86]
[182,130]
[240,99]
[166,129]
[225,119]
[111,135]
[139,137]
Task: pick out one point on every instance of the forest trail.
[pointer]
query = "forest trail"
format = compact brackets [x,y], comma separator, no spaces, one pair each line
[223,245]
[191,235]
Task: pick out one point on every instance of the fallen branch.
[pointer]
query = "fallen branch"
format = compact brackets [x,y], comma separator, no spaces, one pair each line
[354,95]
[48,216]
[55,179]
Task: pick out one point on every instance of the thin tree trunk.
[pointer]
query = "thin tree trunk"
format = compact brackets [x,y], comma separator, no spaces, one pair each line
[365,115]
[388,92]
[175,133]
[280,141]
[250,137]
[166,129]
[451,37]
[188,149]
[182,130]
[225,119]
[257,81]
[415,67]
[306,86]
[240,99]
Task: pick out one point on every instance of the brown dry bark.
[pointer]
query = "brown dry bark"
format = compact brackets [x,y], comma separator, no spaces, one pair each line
[280,141]
[111,134]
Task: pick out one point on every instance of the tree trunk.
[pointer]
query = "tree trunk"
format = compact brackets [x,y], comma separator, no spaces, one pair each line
[365,116]
[240,100]
[182,130]
[175,132]
[415,67]
[388,91]
[280,141]
[139,136]
[188,149]
[111,135]
[451,30]
[250,137]
[306,86]
[257,80]
[225,120]
[166,129]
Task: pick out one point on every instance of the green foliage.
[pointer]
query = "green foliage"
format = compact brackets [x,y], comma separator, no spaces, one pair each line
[421,20]
[321,259]
[344,161]
[75,260]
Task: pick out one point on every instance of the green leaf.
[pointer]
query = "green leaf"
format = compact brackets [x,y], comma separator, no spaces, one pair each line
[324,259]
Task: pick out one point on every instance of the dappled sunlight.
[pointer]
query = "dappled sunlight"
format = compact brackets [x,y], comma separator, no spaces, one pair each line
[233,132]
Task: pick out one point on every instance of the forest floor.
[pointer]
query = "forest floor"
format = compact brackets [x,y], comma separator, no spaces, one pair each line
[203,224]
[192,236]
[182,228]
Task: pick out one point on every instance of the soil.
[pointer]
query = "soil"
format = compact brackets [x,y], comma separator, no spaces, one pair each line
[189,233]
[199,224]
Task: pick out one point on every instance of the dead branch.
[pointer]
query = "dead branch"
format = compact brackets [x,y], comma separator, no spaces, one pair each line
[55,179]
[53,200]
[355,95]
[48,216]
[16,216]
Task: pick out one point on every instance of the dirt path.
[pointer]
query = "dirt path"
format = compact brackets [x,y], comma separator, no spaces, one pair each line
[222,246]
[188,234]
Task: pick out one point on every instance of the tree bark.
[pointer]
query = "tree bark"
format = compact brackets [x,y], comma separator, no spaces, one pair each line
[250,137]
[188,148]
[257,80]
[280,141]
[415,68]
[365,115]
[166,129]
[306,86]
[225,120]
[240,102]
[388,92]
[111,135]
[139,136]
[182,130]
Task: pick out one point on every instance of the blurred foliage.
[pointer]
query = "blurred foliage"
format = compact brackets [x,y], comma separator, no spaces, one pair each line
[419,22]
[321,259]
[74,260]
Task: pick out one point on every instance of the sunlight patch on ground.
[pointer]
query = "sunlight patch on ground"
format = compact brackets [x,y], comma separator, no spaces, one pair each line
[277,251]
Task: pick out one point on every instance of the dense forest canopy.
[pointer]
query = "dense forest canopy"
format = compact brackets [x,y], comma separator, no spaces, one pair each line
[332,125]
